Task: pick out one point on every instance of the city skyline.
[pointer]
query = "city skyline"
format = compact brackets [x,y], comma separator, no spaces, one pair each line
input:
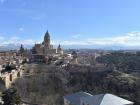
[86,23]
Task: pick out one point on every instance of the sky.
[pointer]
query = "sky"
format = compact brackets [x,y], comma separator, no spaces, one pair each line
[70,22]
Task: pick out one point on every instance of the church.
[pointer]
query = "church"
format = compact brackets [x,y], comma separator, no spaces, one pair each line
[46,48]
[41,52]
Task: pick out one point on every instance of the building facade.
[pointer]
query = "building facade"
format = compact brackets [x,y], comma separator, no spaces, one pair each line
[46,48]
[41,51]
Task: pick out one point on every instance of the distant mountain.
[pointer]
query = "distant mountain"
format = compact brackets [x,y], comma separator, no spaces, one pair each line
[104,47]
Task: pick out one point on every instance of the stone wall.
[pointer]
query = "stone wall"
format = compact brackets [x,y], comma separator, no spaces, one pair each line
[9,78]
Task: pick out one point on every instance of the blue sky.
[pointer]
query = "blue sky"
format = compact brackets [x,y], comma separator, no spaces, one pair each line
[71,22]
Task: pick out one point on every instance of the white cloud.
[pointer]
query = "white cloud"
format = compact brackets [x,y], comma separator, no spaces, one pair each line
[15,40]
[15,10]
[38,16]
[21,29]
[1,38]
[27,42]
[77,36]
[129,39]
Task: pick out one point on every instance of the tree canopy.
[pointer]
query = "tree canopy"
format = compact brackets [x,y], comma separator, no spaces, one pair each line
[11,97]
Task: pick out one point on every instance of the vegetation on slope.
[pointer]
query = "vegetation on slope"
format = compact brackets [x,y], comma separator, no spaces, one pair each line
[48,84]
[126,62]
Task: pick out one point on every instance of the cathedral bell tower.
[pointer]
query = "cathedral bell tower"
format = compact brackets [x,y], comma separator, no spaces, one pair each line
[46,42]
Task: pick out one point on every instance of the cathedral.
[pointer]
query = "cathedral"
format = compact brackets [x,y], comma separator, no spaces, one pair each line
[46,48]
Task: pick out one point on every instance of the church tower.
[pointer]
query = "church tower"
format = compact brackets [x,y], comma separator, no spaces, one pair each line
[59,47]
[59,50]
[46,42]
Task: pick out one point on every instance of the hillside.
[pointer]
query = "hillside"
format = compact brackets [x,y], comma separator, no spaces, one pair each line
[48,84]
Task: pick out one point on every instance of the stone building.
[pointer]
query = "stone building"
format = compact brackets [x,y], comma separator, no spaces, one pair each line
[45,49]
[60,50]
[83,98]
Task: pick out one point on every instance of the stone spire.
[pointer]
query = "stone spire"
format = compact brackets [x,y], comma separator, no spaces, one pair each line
[47,35]
[47,40]
[59,47]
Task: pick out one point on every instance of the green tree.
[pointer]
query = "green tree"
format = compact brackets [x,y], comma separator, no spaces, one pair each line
[11,97]
[71,104]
